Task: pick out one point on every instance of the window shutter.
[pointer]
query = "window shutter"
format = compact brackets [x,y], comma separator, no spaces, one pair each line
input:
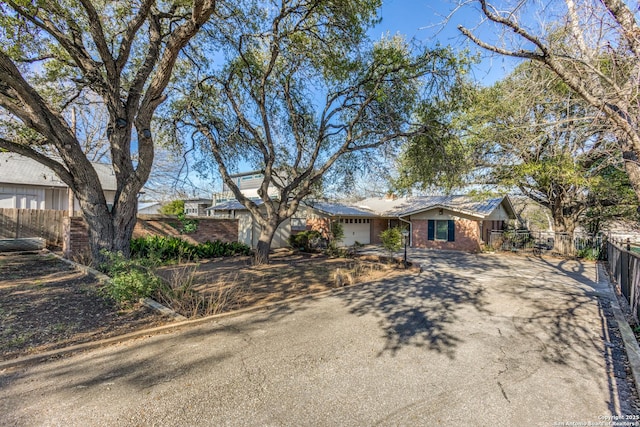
[452,231]
[431,230]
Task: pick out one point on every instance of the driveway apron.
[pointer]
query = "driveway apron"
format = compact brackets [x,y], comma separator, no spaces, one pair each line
[482,340]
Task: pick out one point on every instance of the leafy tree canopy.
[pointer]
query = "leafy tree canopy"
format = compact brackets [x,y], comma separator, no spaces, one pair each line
[304,94]
[530,132]
[57,57]
[175,207]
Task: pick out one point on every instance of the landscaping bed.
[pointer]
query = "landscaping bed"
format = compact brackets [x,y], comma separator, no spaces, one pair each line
[46,304]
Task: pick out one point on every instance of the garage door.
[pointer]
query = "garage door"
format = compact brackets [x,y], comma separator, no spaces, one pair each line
[356,230]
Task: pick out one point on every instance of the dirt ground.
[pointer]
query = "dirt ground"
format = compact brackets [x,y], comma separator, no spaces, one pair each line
[236,283]
[46,304]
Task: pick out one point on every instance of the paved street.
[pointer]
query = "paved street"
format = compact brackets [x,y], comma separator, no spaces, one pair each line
[483,340]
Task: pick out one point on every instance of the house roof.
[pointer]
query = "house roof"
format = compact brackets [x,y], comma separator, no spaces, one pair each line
[146,205]
[237,175]
[412,205]
[399,207]
[231,205]
[340,209]
[18,169]
[198,201]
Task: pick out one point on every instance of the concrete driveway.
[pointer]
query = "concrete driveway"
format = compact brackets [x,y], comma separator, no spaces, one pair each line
[482,340]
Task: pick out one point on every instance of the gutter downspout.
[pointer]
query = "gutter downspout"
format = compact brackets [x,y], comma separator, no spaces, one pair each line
[410,230]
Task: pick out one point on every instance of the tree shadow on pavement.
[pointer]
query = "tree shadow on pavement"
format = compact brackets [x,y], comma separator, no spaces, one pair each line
[417,309]
[139,364]
[570,313]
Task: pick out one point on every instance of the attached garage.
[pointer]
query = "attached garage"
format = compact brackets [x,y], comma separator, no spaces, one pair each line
[356,230]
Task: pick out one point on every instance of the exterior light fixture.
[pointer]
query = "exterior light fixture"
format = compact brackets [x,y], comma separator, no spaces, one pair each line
[405,236]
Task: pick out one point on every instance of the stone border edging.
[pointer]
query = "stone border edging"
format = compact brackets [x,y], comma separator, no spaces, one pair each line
[41,357]
[103,278]
[629,338]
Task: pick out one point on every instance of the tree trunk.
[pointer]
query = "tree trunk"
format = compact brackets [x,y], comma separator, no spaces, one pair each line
[632,168]
[563,239]
[108,230]
[267,231]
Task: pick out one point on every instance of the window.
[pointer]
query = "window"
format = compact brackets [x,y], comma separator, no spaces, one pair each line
[443,230]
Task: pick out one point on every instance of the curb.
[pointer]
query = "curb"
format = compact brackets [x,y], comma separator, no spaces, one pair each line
[629,338]
[42,357]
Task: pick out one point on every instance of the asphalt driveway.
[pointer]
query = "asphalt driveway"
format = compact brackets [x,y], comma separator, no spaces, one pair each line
[473,340]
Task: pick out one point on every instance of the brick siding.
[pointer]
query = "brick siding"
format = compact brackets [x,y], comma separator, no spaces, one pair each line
[378,225]
[323,225]
[467,236]
[210,229]
[76,241]
[76,237]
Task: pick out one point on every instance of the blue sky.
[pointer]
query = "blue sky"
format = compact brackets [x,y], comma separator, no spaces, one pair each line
[426,21]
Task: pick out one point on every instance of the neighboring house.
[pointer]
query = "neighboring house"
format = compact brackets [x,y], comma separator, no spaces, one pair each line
[196,207]
[248,183]
[27,184]
[248,229]
[438,222]
[149,208]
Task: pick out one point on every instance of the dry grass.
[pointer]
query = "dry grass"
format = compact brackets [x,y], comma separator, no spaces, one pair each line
[180,293]
[225,284]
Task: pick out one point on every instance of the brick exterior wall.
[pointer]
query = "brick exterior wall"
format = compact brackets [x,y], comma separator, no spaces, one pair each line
[210,229]
[467,236]
[378,225]
[419,233]
[323,225]
[76,235]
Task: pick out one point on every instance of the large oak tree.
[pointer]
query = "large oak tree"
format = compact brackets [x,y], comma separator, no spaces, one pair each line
[593,46]
[303,90]
[530,132]
[121,54]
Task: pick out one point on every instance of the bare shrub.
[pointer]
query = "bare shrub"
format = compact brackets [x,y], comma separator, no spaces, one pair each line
[356,271]
[180,294]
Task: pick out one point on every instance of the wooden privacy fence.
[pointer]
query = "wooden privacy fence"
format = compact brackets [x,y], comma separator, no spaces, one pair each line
[33,223]
[624,269]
